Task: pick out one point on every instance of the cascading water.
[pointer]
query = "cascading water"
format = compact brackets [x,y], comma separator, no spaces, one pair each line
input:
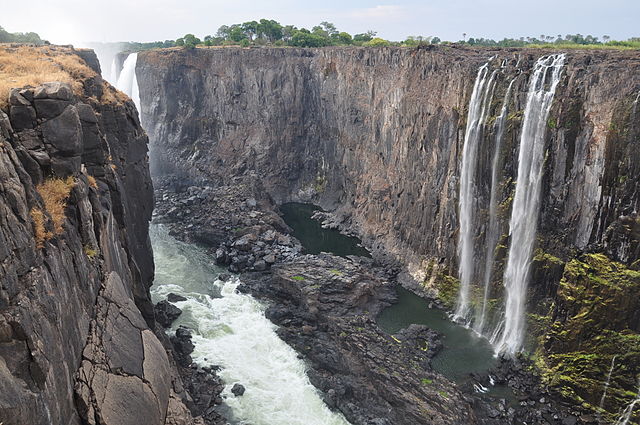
[232,332]
[127,81]
[606,384]
[625,417]
[493,233]
[526,202]
[113,75]
[478,107]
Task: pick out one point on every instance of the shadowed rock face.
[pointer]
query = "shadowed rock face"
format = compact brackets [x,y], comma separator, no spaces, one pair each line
[377,134]
[76,321]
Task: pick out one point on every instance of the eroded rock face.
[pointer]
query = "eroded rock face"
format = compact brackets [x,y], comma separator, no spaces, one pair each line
[376,135]
[76,321]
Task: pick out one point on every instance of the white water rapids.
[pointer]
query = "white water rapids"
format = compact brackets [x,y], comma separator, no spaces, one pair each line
[232,332]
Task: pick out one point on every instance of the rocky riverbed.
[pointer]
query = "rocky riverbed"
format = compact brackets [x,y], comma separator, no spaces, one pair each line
[325,307]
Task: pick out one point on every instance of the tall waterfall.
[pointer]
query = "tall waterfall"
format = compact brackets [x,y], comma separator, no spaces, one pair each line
[526,202]
[127,81]
[478,107]
[493,233]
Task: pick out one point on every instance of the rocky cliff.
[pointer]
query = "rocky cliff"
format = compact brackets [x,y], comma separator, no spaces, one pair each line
[376,136]
[77,342]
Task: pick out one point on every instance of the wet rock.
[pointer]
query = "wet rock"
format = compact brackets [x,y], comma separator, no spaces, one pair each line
[166,313]
[238,390]
[171,297]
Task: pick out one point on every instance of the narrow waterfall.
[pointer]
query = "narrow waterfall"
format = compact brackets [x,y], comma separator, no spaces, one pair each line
[113,74]
[231,331]
[493,233]
[625,417]
[127,81]
[467,204]
[526,203]
[607,382]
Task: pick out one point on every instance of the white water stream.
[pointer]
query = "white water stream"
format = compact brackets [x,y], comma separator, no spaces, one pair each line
[526,203]
[493,232]
[127,81]
[467,205]
[232,332]
[625,417]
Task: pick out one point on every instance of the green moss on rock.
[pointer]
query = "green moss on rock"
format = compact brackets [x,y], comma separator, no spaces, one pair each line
[597,299]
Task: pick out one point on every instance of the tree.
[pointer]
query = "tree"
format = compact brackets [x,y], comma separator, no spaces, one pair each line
[304,38]
[344,38]
[250,29]
[377,42]
[329,28]
[367,36]
[190,41]
[236,33]
[223,32]
[288,31]
[436,40]
[270,29]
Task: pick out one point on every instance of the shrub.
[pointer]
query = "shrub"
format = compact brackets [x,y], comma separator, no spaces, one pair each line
[54,193]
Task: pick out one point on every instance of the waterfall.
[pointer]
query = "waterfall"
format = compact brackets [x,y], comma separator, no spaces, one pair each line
[113,75]
[625,417]
[127,81]
[526,203]
[493,233]
[478,107]
[606,385]
[231,331]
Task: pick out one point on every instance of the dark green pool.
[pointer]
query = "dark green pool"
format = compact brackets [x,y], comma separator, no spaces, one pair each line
[314,237]
[463,351]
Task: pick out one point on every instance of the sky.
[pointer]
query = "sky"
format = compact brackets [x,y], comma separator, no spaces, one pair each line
[77,21]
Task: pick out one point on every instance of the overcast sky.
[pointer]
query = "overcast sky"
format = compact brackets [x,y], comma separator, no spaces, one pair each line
[74,21]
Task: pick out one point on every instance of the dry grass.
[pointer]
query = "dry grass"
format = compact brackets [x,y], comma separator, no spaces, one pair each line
[21,66]
[92,182]
[54,193]
[39,231]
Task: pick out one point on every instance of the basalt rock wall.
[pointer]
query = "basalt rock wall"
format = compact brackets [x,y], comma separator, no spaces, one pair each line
[77,342]
[377,134]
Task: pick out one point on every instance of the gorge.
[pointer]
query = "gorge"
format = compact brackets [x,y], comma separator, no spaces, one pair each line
[500,185]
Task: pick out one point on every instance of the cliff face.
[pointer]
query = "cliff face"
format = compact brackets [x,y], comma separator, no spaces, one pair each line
[376,135]
[76,321]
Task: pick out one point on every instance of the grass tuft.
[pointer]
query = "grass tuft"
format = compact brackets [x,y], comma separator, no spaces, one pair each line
[54,193]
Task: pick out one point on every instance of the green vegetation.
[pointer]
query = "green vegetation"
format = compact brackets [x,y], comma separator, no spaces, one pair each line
[589,324]
[426,381]
[569,41]
[21,37]
[298,278]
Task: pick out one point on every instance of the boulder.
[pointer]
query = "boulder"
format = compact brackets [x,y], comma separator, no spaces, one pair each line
[238,390]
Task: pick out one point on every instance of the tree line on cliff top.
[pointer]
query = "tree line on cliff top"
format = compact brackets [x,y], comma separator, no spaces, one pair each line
[268,32]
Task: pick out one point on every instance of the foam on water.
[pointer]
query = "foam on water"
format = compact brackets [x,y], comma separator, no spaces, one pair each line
[231,331]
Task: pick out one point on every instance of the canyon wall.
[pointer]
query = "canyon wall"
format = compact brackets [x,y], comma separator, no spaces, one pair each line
[77,342]
[376,135]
